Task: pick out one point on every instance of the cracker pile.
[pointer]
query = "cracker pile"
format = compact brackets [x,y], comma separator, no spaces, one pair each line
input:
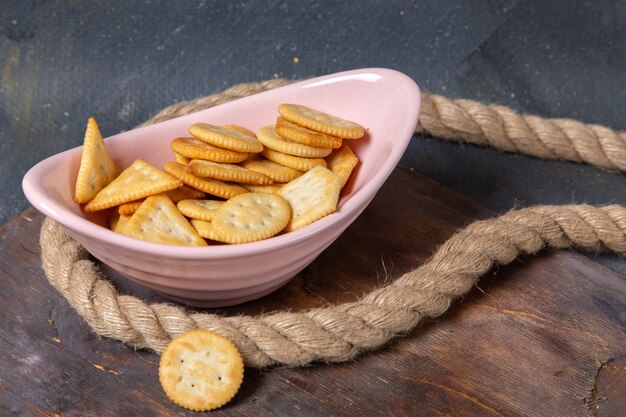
[225,184]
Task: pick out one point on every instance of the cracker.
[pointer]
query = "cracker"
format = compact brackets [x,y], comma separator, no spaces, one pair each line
[311,196]
[295,162]
[301,134]
[213,187]
[198,208]
[320,121]
[241,129]
[201,370]
[227,172]
[277,172]
[204,229]
[128,209]
[181,193]
[271,188]
[181,159]
[342,162]
[97,169]
[224,137]
[137,181]
[196,149]
[250,217]
[268,137]
[117,221]
[159,221]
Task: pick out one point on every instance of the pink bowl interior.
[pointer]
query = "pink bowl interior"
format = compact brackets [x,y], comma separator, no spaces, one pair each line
[384,101]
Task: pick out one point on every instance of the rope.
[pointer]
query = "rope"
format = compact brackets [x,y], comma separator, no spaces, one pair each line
[341,332]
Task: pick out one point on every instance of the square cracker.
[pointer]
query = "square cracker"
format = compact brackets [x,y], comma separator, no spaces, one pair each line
[137,181]
[311,196]
[342,161]
[159,221]
[97,169]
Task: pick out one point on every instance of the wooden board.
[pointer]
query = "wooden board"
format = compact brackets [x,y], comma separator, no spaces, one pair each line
[544,336]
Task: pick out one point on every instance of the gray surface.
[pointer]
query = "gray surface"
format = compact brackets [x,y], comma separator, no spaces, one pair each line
[123,61]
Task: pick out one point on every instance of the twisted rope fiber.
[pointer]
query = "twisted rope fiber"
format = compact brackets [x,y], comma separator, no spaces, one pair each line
[470,121]
[340,332]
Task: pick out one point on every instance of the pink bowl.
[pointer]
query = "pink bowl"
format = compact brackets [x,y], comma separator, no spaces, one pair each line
[384,101]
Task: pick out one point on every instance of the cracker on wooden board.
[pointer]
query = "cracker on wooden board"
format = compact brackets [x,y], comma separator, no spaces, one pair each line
[321,121]
[311,196]
[97,168]
[250,217]
[194,148]
[159,221]
[137,181]
[268,137]
[213,187]
[224,137]
[201,370]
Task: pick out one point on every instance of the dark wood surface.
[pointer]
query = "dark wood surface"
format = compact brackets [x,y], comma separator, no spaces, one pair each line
[544,336]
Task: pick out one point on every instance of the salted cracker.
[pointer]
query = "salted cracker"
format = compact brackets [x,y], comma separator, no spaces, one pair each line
[275,171]
[137,181]
[204,229]
[227,172]
[97,168]
[201,370]
[269,138]
[199,208]
[183,192]
[213,187]
[225,137]
[311,196]
[159,221]
[301,134]
[250,217]
[321,121]
[295,162]
[193,148]
[342,162]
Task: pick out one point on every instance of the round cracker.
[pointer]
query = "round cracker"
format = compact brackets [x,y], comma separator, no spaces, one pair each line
[225,137]
[196,149]
[301,134]
[200,209]
[213,187]
[227,172]
[204,229]
[295,162]
[277,172]
[251,217]
[201,370]
[268,137]
[181,159]
[241,129]
[320,121]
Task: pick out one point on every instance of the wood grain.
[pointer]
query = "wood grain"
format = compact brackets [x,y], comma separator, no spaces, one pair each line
[544,336]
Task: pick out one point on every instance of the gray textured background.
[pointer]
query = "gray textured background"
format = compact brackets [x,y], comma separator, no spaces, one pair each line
[122,61]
